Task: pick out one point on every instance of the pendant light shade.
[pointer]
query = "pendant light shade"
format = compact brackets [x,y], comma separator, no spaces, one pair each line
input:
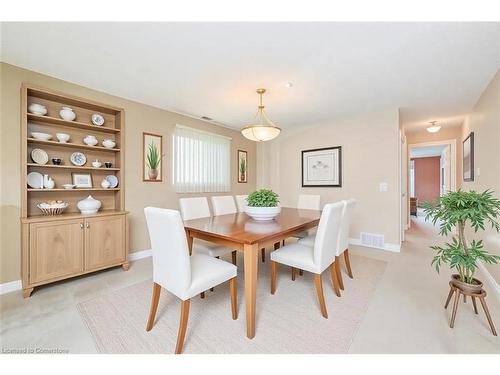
[433,128]
[263,129]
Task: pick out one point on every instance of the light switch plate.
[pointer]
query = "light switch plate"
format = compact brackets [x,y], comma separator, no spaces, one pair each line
[383,186]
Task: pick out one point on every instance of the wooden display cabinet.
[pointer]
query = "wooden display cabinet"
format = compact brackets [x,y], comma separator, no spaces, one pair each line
[71,244]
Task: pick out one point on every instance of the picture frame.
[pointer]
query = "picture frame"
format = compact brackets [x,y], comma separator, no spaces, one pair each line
[322,167]
[81,180]
[242,166]
[152,157]
[468,157]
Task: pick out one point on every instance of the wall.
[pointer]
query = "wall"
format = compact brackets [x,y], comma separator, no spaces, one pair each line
[138,194]
[370,145]
[427,178]
[484,121]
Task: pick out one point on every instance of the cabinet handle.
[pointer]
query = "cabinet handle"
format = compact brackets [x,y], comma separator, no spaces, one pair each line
[81,225]
[87,225]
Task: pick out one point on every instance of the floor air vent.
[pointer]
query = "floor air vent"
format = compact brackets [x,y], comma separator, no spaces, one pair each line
[372,240]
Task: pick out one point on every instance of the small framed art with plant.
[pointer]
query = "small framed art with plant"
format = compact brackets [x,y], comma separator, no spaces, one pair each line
[242,166]
[152,157]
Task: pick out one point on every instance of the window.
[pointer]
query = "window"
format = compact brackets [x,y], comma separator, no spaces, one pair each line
[201,161]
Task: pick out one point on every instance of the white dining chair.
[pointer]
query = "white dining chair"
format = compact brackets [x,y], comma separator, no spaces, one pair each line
[343,243]
[223,205]
[197,208]
[241,202]
[181,274]
[313,259]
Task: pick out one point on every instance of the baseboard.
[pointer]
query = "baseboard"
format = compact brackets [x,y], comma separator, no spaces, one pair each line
[12,286]
[490,280]
[395,248]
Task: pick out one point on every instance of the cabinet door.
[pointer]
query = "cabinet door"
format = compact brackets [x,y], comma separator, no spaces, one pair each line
[104,241]
[56,250]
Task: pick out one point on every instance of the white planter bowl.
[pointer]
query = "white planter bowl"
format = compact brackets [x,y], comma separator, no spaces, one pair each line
[262,213]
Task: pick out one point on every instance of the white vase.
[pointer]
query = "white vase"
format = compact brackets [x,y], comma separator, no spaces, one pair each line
[67,114]
[89,205]
[48,183]
[37,109]
[262,213]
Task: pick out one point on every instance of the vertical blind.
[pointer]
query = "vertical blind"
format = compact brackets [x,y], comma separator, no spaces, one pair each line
[201,161]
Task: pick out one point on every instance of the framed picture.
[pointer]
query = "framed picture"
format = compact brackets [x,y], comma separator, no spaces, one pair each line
[322,167]
[82,180]
[242,166]
[152,154]
[468,157]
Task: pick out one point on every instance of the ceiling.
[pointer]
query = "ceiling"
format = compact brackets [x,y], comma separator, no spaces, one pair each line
[427,151]
[428,70]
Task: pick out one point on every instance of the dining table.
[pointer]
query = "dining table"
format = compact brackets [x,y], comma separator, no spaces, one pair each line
[242,233]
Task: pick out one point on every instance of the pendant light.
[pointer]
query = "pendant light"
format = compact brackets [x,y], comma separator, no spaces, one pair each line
[262,129]
[433,128]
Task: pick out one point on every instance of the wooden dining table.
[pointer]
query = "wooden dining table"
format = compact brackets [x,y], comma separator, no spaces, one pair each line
[242,233]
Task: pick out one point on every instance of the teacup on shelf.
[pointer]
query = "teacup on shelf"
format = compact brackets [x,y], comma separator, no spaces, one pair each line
[96,164]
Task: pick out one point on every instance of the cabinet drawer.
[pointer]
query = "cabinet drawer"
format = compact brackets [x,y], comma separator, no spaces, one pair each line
[104,241]
[56,249]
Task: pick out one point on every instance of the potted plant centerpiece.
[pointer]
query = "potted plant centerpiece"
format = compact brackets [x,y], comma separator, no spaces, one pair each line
[263,205]
[457,210]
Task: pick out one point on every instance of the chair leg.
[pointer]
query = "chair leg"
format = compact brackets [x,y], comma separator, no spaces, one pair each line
[347,263]
[465,298]
[449,297]
[474,304]
[263,254]
[273,277]
[488,316]
[233,254]
[339,275]
[335,282]
[233,287]
[154,305]
[321,297]
[301,272]
[455,307]
[293,273]
[283,242]
[202,295]
[182,326]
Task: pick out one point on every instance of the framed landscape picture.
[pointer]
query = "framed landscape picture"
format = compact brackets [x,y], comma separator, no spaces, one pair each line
[468,157]
[242,166]
[322,167]
[152,153]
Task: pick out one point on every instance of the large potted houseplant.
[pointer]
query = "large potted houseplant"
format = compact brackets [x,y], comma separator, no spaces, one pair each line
[458,210]
[263,205]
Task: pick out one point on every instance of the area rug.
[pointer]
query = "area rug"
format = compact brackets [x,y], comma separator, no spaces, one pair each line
[287,322]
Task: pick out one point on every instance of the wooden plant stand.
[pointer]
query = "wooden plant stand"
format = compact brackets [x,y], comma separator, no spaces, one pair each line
[481,295]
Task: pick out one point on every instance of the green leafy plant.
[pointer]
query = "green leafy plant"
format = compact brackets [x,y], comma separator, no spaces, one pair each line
[153,156]
[263,198]
[243,166]
[457,210]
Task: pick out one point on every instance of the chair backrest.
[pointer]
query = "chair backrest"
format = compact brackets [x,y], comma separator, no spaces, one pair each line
[241,202]
[171,263]
[223,205]
[309,202]
[194,208]
[327,237]
[345,224]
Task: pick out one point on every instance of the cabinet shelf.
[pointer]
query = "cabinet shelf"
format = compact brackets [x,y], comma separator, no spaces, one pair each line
[73,124]
[76,189]
[72,145]
[73,167]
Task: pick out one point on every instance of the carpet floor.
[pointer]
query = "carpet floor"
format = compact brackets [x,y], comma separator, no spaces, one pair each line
[288,322]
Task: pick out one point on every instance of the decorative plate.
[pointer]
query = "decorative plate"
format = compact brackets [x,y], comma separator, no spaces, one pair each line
[39,156]
[113,181]
[78,159]
[35,180]
[97,119]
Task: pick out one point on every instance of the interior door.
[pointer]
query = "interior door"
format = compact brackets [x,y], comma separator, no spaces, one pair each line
[445,170]
[56,249]
[104,241]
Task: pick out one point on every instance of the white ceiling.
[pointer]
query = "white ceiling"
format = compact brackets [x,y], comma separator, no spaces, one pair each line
[427,151]
[429,70]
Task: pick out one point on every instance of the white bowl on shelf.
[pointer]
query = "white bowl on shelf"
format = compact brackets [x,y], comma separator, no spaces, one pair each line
[41,136]
[90,140]
[37,109]
[62,137]
[69,186]
[109,143]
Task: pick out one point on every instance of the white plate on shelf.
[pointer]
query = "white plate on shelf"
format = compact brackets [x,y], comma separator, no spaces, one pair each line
[39,156]
[113,181]
[35,180]
[97,119]
[78,159]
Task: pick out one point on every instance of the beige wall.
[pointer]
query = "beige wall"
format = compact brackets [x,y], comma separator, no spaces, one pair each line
[484,121]
[369,156]
[138,194]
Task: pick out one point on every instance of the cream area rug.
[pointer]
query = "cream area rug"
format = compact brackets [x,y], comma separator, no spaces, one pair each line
[288,322]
